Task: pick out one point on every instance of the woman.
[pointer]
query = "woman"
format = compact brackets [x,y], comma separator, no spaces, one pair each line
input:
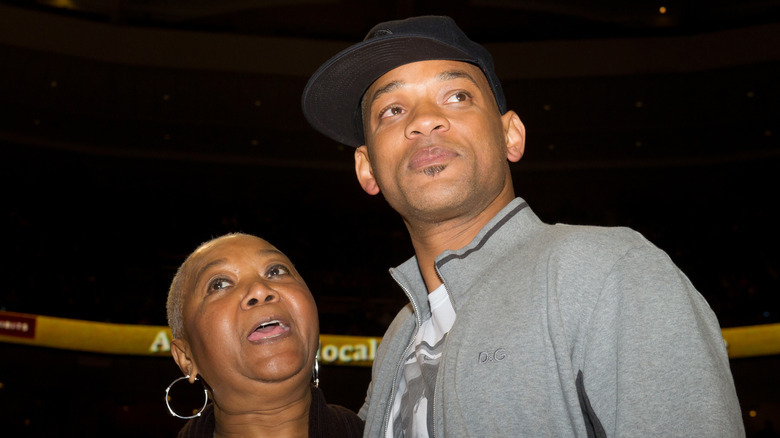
[245,323]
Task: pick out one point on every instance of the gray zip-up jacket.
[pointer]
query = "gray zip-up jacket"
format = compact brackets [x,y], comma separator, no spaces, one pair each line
[563,331]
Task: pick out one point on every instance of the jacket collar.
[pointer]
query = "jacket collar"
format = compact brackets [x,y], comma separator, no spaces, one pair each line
[460,268]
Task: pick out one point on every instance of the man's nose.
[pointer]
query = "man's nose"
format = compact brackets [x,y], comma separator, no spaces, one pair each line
[424,120]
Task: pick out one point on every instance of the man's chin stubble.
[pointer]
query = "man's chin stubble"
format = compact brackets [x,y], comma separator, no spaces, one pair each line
[434,170]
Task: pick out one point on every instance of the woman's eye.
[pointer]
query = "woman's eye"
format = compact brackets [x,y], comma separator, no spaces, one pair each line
[459,97]
[277,271]
[218,284]
[390,111]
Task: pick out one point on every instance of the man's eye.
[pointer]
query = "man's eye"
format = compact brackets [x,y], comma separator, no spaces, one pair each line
[391,111]
[218,284]
[459,97]
[277,271]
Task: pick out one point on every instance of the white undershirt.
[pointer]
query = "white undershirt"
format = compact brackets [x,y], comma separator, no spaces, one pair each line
[417,374]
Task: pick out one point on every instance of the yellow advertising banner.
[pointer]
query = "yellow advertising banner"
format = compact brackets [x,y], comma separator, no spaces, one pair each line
[753,340]
[147,340]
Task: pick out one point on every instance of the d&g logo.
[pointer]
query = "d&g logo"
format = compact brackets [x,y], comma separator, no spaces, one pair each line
[492,356]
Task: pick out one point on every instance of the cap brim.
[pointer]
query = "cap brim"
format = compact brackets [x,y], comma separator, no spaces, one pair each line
[331,99]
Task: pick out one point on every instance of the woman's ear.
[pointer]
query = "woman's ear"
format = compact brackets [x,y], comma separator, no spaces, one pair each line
[180,350]
[365,174]
[514,131]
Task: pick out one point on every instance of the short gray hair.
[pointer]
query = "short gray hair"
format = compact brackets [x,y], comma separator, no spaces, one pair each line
[176,293]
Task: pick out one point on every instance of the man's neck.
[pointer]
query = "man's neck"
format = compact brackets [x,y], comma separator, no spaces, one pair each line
[430,240]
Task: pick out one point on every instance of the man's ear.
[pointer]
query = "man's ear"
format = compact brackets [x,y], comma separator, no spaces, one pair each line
[180,350]
[514,130]
[365,174]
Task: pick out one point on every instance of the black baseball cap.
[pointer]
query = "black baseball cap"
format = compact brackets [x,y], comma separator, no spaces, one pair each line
[331,99]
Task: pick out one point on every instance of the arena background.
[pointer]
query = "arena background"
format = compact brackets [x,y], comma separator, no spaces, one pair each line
[132,131]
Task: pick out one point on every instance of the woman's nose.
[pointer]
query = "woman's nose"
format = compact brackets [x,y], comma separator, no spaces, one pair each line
[259,293]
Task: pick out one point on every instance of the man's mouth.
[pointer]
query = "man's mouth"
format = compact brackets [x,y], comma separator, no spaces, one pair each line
[431,160]
[267,330]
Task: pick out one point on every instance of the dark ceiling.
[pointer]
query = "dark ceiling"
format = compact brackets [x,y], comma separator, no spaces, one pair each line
[485,20]
[172,79]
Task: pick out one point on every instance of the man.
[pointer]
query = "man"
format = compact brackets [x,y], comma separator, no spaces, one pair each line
[515,327]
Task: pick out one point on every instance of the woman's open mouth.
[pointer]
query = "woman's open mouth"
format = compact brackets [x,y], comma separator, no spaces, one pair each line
[267,330]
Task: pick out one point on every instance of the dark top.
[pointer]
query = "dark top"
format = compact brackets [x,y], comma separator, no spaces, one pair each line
[324,421]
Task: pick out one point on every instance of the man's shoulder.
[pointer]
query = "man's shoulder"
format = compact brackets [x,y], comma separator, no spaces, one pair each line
[403,317]
[518,226]
[402,325]
[585,251]
[597,240]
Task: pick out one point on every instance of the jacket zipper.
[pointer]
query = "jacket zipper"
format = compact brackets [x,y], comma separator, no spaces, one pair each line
[389,408]
[443,350]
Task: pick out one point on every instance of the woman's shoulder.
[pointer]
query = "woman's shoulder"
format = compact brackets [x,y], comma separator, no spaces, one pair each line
[200,427]
[330,420]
